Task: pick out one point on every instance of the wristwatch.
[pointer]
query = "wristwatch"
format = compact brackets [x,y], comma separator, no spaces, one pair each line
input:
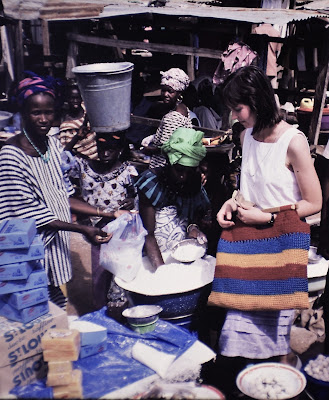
[271,221]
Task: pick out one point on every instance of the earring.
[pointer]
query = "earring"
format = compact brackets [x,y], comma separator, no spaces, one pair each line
[179,99]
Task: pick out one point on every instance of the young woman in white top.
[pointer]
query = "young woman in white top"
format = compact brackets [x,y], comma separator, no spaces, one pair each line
[277,169]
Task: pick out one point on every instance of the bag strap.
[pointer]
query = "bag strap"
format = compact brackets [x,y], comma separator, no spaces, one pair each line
[281,208]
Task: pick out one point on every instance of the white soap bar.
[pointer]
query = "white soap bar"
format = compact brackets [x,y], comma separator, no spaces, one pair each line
[90,333]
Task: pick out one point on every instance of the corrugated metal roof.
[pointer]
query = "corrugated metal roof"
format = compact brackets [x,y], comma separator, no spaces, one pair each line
[200,9]
[30,9]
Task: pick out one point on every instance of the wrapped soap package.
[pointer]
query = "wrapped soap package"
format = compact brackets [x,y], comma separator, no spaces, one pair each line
[91,349]
[36,251]
[17,233]
[26,298]
[90,333]
[36,279]
[18,271]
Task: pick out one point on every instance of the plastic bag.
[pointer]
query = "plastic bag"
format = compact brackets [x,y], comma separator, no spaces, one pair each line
[122,255]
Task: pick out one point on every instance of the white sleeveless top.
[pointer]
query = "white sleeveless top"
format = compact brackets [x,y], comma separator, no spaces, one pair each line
[265,178]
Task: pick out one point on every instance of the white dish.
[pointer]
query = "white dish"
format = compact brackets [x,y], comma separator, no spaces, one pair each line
[312,256]
[290,382]
[188,250]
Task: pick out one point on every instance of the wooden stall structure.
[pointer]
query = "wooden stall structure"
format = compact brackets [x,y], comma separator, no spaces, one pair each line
[191,17]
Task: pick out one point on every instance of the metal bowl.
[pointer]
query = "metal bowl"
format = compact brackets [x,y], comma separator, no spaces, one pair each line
[175,304]
[142,314]
[188,250]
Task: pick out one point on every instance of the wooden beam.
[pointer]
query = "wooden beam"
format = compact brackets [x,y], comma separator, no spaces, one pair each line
[320,95]
[156,122]
[156,47]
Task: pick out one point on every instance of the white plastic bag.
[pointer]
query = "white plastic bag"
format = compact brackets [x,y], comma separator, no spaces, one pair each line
[122,255]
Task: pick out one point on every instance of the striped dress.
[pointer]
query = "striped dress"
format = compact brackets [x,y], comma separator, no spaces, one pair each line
[169,123]
[32,188]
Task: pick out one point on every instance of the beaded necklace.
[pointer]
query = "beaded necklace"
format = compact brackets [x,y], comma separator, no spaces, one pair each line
[45,157]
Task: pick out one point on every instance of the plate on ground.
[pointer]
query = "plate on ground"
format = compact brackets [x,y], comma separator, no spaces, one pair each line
[271,381]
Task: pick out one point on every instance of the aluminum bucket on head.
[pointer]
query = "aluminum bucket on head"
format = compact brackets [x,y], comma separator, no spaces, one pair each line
[106,91]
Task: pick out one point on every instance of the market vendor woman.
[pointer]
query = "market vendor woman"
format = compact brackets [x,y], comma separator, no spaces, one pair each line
[172,199]
[33,184]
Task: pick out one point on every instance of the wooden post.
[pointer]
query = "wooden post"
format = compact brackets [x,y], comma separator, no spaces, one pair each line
[46,46]
[320,95]
[190,62]
[19,53]
[72,55]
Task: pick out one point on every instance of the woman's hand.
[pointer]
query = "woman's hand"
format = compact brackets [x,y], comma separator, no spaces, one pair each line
[194,232]
[127,204]
[253,216]
[96,235]
[118,213]
[225,214]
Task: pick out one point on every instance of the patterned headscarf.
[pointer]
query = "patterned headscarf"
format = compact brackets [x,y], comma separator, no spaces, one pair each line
[36,84]
[185,147]
[176,78]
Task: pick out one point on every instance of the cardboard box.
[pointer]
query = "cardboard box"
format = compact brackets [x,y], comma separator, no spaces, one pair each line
[36,251]
[18,271]
[17,233]
[36,279]
[21,373]
[26,298]
[19,341]
[24,315]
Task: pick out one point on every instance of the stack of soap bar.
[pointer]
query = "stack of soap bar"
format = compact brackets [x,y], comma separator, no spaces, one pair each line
[61,347]
[23,279]
[59,373]
[93,337]
[73,390]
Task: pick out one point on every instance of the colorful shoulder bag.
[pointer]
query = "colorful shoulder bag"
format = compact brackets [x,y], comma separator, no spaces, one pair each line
[263,267]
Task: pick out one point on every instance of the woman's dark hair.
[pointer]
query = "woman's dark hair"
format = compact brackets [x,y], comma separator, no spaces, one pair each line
[250,86]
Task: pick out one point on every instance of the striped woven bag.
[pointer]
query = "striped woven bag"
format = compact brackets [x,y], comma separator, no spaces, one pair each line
[263,267]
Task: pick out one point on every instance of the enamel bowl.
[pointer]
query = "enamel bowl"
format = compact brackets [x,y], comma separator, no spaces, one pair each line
[142,314]
[271,381]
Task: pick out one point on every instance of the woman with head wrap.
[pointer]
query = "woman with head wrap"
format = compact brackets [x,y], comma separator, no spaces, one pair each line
[171,198]
[33,184]
[173,84]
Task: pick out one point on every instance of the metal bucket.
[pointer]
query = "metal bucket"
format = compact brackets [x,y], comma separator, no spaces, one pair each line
[106,91]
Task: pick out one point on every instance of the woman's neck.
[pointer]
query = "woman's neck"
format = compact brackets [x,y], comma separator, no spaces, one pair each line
[34,142]
[104,167]
[76,113]
[270,134]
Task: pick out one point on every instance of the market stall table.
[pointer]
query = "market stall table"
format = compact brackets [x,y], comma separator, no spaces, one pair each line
[115,373]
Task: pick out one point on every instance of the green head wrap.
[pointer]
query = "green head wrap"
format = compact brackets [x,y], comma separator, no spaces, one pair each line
[185,147]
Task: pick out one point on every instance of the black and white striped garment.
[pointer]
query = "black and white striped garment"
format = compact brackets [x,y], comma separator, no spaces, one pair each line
[32,188]
[169,123]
